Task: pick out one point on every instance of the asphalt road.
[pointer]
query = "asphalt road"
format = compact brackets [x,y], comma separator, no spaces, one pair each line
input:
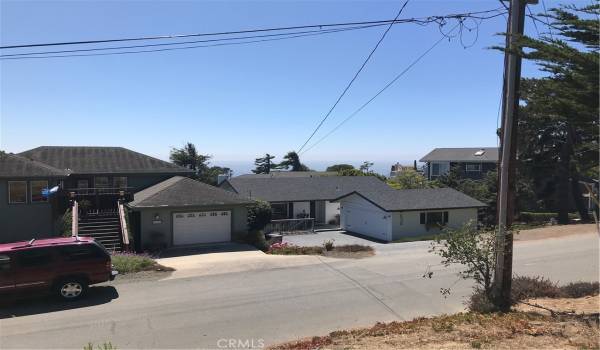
[271,305]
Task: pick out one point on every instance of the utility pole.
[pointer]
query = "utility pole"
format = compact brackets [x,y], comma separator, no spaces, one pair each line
[508,148]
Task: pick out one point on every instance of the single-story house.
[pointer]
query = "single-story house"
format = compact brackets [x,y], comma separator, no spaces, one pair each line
[391,214]
[180,211]
[473,163]
[303,196]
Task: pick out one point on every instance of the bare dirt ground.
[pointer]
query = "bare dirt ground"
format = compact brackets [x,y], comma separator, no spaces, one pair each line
[514,330]
[585,305]
[556,231]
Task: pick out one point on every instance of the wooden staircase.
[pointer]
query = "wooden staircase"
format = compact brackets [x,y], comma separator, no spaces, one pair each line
[104,227]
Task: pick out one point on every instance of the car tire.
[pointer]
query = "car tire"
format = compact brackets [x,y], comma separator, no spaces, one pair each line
[71,289]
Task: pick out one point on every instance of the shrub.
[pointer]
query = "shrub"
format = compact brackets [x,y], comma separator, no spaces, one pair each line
[129,262]
[479,301]
[328,245]
[259,215]
[524,287]
[537,218]
[257,239]
[64,224]
[580,289]
[105,346]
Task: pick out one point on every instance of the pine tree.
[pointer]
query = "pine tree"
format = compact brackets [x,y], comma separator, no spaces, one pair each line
[264,164]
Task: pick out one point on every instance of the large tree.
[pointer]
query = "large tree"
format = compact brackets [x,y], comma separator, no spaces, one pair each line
[264,164]
[291,161]
[558,126]
[409,179]
[187,156]
[339,167]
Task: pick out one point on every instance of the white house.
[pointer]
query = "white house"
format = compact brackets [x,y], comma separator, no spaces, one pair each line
[391,214]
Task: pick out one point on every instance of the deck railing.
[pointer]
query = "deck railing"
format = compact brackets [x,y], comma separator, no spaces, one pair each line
[290,226]
[75,219]
[124,229]
[95,191]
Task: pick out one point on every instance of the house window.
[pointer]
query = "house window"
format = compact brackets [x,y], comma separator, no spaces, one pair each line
[120,181]
[224,213]
[473,167]
[101,182]
[434,217]
[279,210]
[36,191]
[17,192]
[213,214]
[82,186]
[435,169]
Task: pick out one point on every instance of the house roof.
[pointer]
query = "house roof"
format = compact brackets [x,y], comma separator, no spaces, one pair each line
[490,154]
[97,160]
[12,165]
[179,191]
[288,189]
[418,199]
[290,174]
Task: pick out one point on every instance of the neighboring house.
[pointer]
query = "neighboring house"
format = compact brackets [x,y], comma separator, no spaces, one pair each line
[473,163]
[180,211]
[24,212]
[391,214]
[302,196]
[398,168]
[95,176]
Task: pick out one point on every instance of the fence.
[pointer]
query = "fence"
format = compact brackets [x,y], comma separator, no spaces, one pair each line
[291,226]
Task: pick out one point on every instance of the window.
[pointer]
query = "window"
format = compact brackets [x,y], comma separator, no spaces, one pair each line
[435,169]
[201,214]
[434,217]
[35,257]
[36,191]
[4,262]
[81,184]
[191,215]
[473,167]
[224,213]
[213,214]
[279,210]
[81,252]
[101,181]
[120,181]
[17,192]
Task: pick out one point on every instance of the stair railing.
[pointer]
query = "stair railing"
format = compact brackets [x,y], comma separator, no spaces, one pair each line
[75,219]
[124,230]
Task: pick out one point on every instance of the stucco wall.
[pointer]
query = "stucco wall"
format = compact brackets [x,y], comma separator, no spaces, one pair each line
[365,218]
[25,221]
[331,210]
[164,229]
[407,223]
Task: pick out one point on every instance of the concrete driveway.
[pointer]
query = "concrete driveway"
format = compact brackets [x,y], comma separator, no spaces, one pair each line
[318,238]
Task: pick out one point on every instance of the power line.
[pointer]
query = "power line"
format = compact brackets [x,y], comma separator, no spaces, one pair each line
[280,37]
[547,20]
[532,21]
[179,36]
[382,90]
[354,77]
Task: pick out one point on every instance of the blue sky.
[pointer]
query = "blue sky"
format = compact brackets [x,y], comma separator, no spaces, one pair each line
[238,102]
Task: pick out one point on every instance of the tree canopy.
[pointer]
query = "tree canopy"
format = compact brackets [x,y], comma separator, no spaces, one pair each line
[409,179]
[292,162]
[339,167]
[264,164]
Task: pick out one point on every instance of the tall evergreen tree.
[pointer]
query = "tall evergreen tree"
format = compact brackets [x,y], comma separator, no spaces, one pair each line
[292,160]
[264,164]
[558,126]
[187,156]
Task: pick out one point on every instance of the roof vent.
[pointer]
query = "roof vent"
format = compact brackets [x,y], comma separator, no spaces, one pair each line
[480,152]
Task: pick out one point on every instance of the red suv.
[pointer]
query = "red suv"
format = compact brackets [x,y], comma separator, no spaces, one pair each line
[65,266]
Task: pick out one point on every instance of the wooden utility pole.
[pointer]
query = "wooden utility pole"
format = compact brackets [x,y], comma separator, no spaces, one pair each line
[508,151]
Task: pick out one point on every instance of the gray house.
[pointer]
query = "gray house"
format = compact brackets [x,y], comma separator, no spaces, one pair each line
[180,211]
[296,196]
[472,163]
[392,214]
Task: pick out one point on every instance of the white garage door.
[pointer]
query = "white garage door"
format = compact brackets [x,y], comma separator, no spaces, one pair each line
[201,227]
[372,223]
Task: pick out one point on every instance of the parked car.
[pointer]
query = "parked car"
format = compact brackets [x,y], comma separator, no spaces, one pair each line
[63,266]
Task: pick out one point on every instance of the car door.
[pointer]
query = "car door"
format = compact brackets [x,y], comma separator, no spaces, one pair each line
[36,268]
[7,277]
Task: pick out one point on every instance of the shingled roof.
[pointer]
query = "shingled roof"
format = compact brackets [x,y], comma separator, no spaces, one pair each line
[97,160]
[284,189]
[180,191]
[290,174]
[418,199]
[488,154]
[13,166]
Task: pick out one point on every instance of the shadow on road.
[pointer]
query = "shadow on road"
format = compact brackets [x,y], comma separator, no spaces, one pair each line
[15,306]
[206,249]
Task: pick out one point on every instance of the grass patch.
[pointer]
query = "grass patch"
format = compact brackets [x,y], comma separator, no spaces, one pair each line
[130,263]
[342,251]
[415,238]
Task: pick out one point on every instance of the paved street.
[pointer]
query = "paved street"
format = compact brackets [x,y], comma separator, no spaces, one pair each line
[274,303]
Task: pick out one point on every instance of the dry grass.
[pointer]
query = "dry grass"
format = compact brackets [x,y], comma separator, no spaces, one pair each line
[342,251]
[515,330]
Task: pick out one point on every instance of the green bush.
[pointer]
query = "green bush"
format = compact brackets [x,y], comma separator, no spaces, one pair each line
[259,215]
[128,262]
[328,245]
[64,224]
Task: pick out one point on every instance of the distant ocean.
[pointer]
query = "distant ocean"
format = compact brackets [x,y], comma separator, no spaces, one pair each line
[245,167]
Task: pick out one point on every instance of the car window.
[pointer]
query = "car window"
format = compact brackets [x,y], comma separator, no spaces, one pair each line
[4,262]
[81,252]
[35,257]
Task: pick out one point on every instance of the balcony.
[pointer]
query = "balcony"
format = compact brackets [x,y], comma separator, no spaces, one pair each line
[99,191]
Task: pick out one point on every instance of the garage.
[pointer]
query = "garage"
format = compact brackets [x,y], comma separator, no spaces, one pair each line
[367,221]
[201,227]
[182,211]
